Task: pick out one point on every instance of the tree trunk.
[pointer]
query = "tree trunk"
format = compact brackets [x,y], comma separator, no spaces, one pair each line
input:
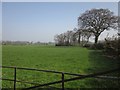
[79,38]
[87,39]
[96,38]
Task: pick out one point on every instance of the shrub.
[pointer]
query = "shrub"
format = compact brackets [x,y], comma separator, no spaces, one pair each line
[87,45]
[98,46]
[112,47]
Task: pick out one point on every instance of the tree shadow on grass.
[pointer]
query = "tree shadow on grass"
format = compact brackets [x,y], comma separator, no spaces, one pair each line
[99,63]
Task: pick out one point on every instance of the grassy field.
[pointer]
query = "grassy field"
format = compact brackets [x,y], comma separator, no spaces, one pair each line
[66,59]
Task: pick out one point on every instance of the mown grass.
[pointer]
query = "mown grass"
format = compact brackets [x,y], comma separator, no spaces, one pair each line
[65,59]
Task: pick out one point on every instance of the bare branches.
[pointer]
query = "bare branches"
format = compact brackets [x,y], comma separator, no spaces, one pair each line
[98,20]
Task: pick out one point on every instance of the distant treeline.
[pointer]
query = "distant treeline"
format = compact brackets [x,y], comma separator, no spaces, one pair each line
[26,43]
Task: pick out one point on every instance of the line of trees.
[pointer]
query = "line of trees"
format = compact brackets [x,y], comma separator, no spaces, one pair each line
[25,43]
[91,23]
[72,37]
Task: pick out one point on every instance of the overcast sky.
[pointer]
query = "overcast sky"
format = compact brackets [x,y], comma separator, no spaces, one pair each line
[41,21]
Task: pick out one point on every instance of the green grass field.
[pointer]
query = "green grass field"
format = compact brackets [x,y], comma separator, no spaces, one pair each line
[66,59]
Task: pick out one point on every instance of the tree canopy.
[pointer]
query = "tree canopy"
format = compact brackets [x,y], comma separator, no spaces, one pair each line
[97,21]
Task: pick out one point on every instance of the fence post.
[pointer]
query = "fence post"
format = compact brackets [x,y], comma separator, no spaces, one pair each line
[15,78]
[62,81]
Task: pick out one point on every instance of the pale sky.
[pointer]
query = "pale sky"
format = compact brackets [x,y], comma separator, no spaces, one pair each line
[40,21]
[0,21]
[60,0]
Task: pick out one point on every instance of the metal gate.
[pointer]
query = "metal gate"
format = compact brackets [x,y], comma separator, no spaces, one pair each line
[62,81]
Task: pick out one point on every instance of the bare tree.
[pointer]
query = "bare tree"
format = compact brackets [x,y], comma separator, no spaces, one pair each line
[59,39]
[67,38]
[74,36]
[86,34]
[78,35]
[97,21]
